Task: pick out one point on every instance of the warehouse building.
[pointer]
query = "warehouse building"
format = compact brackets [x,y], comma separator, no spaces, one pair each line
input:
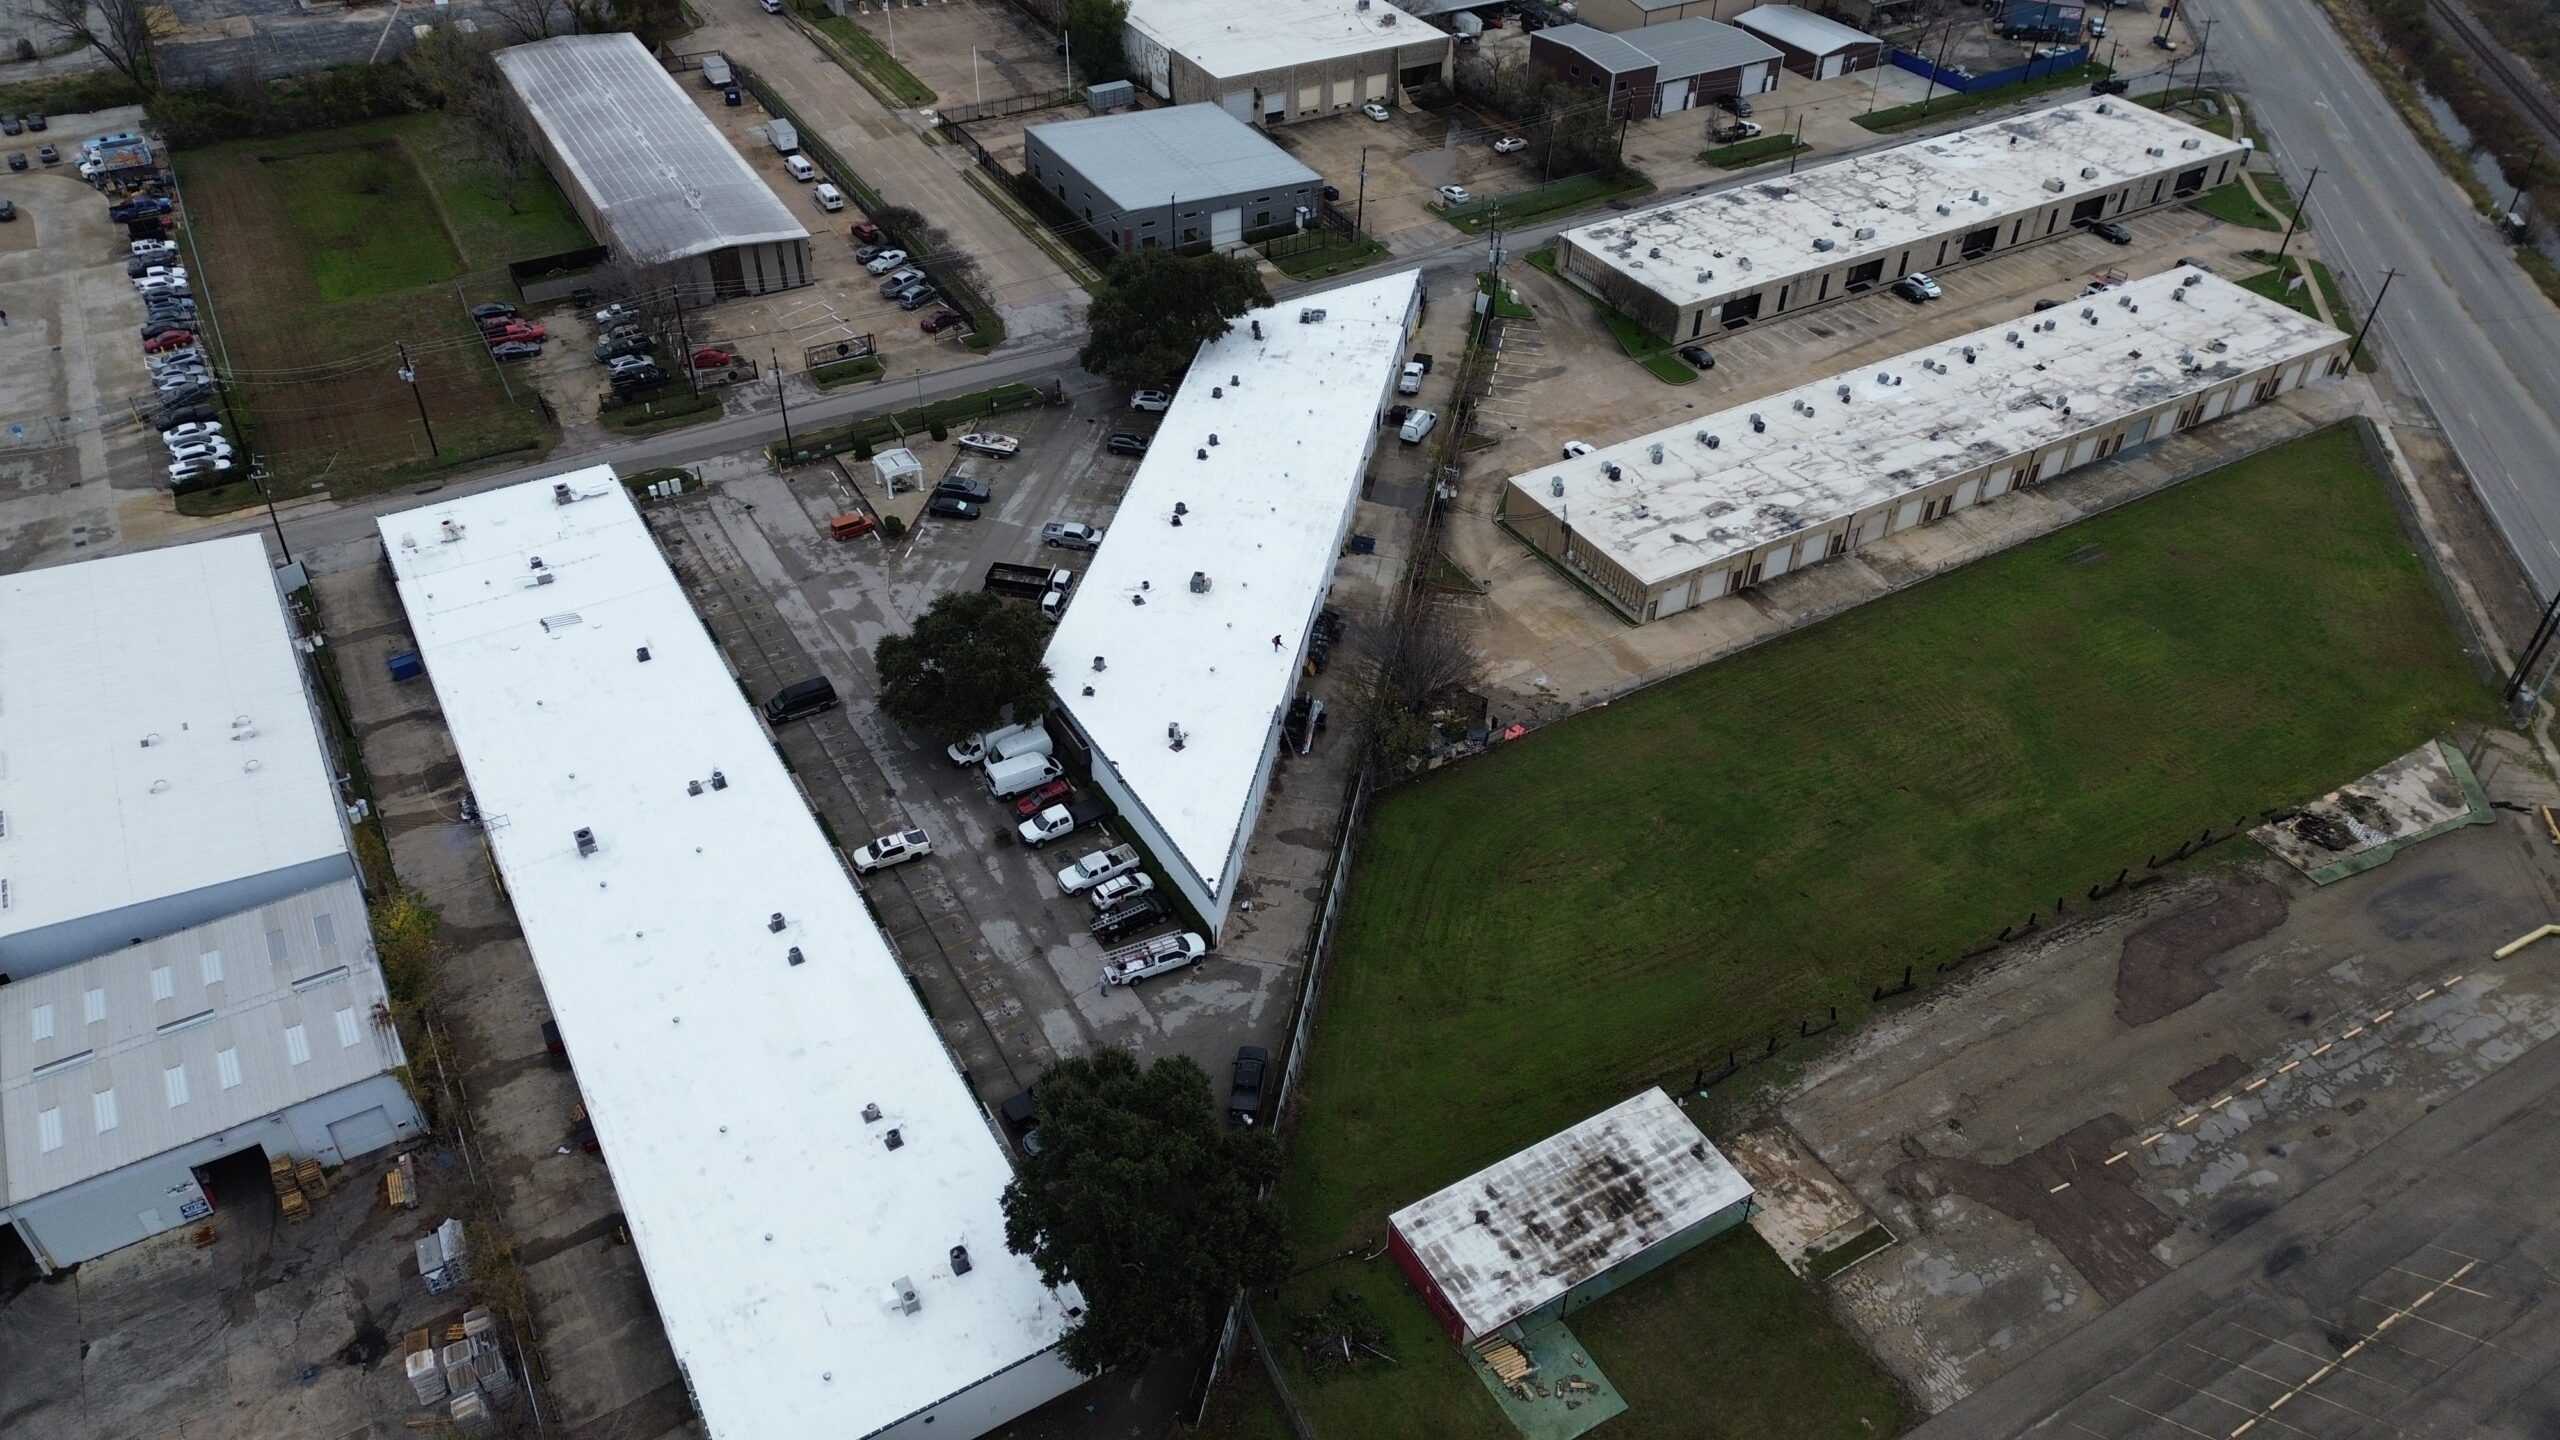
[811,1187]
[1814,47]
[654,179]
[1660,70]
[1277,62]
[1620,16]
[1177,662]
[1181,176]
[1754,252]
[1572,1218]
[187,979]
[1711,506]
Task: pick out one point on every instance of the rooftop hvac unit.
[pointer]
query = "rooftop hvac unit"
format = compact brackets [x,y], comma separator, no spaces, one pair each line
[2191,143]
[1555,486]
[901,1299]
[1757,424]
[1713,442]
[1979,198]
[1843,393]
[1199,582]
[2088,172]
[2125,301]
[1654,254]
[586,842]
[1610,469]
[1968,354]
[1822,242]
[2105,109]
[1657,454]
[960,1253]
[1311,316]
[1387,19]
[2154,151]
[2054,184]
[1866,232]
[1945,209]
[871,1113]
[2179,294]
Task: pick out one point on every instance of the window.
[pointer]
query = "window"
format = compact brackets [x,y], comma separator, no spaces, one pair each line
[2190,181]
[44,1022]
[102,1108]
[297,1045]
[210,964]
[174,1080]
[49,1129]
[163,985]
[350,1034]
[226,1066]
[93,1006]
[1261,218]
[275,946]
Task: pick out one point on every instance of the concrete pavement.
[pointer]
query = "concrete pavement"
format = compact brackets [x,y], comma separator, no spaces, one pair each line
[2468,330]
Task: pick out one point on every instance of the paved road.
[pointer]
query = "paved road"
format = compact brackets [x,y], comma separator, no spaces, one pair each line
[2464,325]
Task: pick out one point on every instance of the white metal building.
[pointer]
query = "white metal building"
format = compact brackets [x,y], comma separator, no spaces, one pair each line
[1725,259]
[1176,176]
[1816,47]
[189,970]
[1278,61]
[1681,516]
[811,1186]
[652,176]
[1179,657]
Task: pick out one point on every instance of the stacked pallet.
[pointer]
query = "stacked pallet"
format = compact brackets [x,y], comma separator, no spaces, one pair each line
[1509,1363]
[289,1196]
[425,1367]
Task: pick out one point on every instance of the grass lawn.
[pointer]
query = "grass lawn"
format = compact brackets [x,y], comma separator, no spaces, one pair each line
[873,65]
[2233,203]
[1610,903]
[357,211]
[1556,197]
[1328,260]
[1504,306]
[1949,104]
[1746,153]
[847,372]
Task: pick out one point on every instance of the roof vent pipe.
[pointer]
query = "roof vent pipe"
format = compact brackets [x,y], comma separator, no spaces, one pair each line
[1217,392]
[1257,329]
[1098,666]
[2088,172]
[586,842]
[1757,424]
[1843,393]
[776,923]
[1657,454]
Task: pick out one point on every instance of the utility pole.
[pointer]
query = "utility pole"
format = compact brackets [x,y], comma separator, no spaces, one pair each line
[2204,47]
[1360,206]
[409,373]
[684,343]
[975,83]
[258,477]
[1945,38]
[1795,149]
[2298,202]
[2543,635]
[2357,348]
[788,445]
[2530,157]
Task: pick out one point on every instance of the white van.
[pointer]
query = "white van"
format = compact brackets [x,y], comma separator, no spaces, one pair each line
[829,198]
[1417,425]
[799,167]
[1005,743]
[1008,778]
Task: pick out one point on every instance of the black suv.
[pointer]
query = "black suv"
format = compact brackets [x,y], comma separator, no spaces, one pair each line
[1122,921]
[960,488]
[800,698]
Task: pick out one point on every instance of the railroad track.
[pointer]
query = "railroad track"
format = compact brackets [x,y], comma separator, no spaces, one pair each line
[2511,77]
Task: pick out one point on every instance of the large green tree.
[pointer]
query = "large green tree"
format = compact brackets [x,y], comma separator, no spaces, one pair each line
[970,658]
[1156,308]
[1093,29]
[1145,1199]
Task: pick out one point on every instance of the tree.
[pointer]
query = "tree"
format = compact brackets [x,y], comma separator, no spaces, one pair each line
[1158,308]
[1145,1200]
[1427,659]
[969,659]
[459,73]
[1094,29]
[119,30]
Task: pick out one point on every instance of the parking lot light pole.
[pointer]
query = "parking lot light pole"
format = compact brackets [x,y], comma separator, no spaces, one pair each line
[409,373]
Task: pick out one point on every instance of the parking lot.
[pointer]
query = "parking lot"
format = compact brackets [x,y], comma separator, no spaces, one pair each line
[1409,155]
[967,51]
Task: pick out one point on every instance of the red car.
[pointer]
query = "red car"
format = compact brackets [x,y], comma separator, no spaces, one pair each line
[515,330]
[167,340]
[866,233]
[713,359]
[939,321]
[1053,793]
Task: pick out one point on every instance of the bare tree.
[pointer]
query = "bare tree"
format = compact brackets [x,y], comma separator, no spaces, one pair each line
[1427,662]
[120,31]
[461,72]
[526,21]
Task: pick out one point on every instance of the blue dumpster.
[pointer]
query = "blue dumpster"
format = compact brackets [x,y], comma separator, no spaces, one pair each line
[405,665]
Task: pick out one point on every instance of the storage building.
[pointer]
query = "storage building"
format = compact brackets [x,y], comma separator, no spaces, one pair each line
[1620,16]
[1659,70]
[1181,176]
[1754,251]
[810,1185]
[1570,1219]
[1814,47]
[1275,62]
[1176,663]
[654,179]
[1679,517]
[186,972]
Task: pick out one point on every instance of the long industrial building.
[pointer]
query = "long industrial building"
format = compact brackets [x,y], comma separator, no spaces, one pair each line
[1757,251]
[810,1184]
[653,178]
[1677,518]
[1177,662]
[1276,62]
[187,979]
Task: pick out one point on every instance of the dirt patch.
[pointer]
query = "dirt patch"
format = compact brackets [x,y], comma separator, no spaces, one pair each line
[2162,969]
[2197,1086]
[2068,1193]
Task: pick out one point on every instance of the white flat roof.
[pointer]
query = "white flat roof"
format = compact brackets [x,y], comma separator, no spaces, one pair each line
[665,180]
[1524,1230]
[155,736]
[226,1006]
[1262,518]
[1753,236]
[1801,28]
[1908,425]
[727,1085]
[1227,38]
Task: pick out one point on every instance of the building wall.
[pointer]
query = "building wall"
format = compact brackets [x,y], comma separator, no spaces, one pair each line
[1149,226]
[1768,296]
[1838,535]
[1626,15]
[125,1206]
[1630,92]
[1635,1267]
[1419,1276]
[72,941]
[1852,58]
[1015,1390]
[1292,93]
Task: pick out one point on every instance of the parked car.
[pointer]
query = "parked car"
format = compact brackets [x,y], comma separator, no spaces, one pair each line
[960,487]
[49,154]
[1736,133]
[150,249]
[12,125]
[2111,232]
[638,377]
[801,699]
[1410,382]
[864,255]
[939,321]
[172,416]
[1374,111]
[1509,145]
[891,850]
[1069,535]
[168,340]
[1121,922]
[917,296]
[215,449]
[900,278]
[799,168]
[946,507]
[2097,27]
[494,310]
[1734,104]
[2046,304]
[1151,400]
[1032,802]
[987,442]
[1698,357]
[2110,85]
[1917,288]
[182,471]
[515,350]
[140,207]
[885,261]
[1333,192]
[865,231]
[1097,867]
[612,350]
[829,198]
[35,121]
[1394,418]
[518,330]
[18,161]
[1455,194]
[1060,821]
[1244,1085]
[192,430]
[1124,443]
[1416,426]
[1121,889]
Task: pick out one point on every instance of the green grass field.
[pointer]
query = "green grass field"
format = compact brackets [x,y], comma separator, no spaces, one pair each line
[1615,901]
[1746,153]
[357,211]
[1947,104]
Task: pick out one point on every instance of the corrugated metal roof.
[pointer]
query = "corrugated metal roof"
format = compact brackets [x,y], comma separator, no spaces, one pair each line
[1611,53]
[1811,33]
[1699,46]
[1521,1232]
[665,180]
[1148,157]
[145,1049]
[1226,39]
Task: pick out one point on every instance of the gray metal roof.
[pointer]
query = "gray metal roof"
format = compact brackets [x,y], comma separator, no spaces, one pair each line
[1811,33]
[147,1048]
[1611,53]
[667,183]
[1699,46]
[1147,157]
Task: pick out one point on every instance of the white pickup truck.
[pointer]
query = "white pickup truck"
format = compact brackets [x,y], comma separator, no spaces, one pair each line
[1097,867]
[1132,963]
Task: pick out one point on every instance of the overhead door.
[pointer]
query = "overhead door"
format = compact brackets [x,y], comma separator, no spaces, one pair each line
[1226,227]
[2084,452]
[1310,99]
[361,1134]
[1375,87]
[1830,68]
[1671,99]
[1674,600]
[1239,104]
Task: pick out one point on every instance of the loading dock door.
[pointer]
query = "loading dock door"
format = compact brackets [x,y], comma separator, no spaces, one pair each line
[1674,600]
[1239,104]
[1979,243]
[1672,98]
[1830,69]
[1226,227]
[2093,208]
[361,1134]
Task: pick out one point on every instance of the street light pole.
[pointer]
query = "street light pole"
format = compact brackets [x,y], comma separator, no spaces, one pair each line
[2298,202]
[2357,349]
[409,373]
[788,445]
[258,477]
[2530,157]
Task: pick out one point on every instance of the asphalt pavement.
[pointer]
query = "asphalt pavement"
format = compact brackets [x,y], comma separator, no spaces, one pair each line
[2462,325]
